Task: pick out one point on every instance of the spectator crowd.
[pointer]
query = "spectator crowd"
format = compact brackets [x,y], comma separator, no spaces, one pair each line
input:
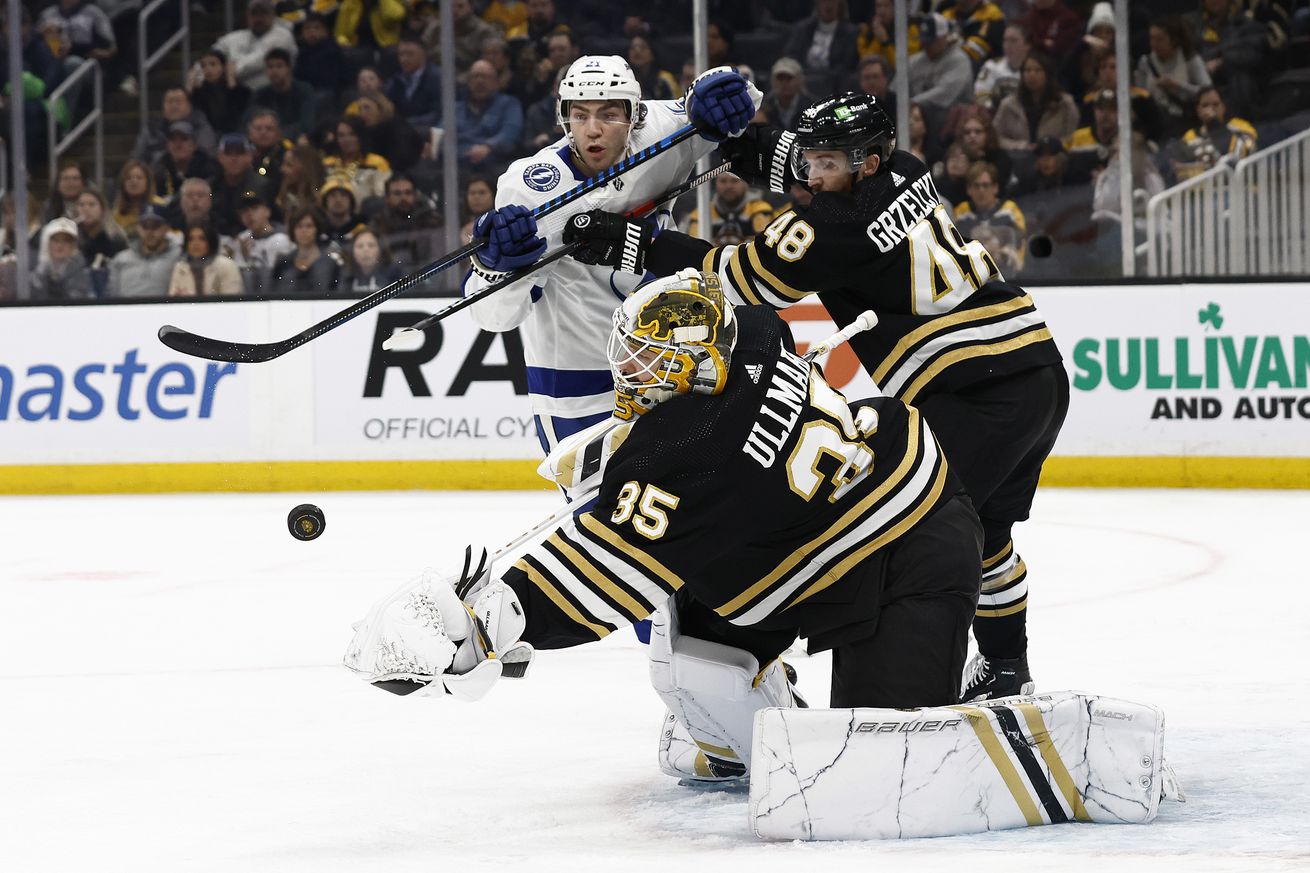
[302,154]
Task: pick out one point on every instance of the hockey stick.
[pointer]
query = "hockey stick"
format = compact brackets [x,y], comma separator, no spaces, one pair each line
[403,336]
[256,353]
[866,320]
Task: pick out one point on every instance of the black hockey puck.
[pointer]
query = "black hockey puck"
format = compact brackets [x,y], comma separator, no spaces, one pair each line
[1041,246]
[306,522]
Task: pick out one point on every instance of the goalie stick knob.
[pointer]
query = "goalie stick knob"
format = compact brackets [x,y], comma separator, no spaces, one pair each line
[306,522]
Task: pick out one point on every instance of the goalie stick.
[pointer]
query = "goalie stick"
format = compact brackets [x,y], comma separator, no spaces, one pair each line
[866,320]
[257,353]
[409,335]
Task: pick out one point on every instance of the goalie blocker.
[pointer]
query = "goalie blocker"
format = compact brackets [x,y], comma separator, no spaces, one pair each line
[840,774]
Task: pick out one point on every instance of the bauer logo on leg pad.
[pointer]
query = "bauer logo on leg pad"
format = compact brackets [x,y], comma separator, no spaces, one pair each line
[1016,762]
[908,727]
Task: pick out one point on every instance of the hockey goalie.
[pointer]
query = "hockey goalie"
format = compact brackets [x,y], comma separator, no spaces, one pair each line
[743,503]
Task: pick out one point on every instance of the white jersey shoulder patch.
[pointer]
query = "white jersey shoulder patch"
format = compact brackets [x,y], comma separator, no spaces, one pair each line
[542,176]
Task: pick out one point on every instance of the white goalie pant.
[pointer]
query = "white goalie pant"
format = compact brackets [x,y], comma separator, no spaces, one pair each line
[713,692]
[841,774]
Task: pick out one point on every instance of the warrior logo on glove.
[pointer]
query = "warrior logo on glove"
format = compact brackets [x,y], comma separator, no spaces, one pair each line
[609,240]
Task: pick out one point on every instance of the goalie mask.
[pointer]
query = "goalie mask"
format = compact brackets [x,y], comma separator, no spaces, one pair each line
[855,124]
[599,78]
[672,336]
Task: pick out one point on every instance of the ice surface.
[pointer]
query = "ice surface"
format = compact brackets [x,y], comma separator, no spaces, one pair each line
[174,700]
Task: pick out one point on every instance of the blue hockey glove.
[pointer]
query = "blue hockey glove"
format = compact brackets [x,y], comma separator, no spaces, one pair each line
[719,103]
[512,241]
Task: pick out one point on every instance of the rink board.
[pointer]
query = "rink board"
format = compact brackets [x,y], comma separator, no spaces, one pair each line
[1171,385]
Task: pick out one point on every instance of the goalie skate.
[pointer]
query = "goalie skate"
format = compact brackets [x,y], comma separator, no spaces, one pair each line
[990,678]
[680,757]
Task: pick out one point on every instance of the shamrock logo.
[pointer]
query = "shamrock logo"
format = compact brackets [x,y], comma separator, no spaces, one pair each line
[1210,314]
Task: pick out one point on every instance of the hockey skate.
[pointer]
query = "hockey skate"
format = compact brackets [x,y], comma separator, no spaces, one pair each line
[694,766]
[679,756]
[988,678]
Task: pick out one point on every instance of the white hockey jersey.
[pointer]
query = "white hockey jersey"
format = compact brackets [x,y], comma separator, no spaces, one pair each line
[565,310]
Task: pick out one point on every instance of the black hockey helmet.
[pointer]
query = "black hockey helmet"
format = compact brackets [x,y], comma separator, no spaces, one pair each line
[851,122]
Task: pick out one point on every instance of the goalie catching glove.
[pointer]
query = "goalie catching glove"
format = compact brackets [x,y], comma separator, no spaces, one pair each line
[453,636]
[610,240]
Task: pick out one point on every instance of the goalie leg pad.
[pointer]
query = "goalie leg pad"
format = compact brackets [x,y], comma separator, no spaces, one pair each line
[840,774]
[713,692]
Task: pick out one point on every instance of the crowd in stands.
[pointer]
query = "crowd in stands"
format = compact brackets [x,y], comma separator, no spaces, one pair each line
[302,153]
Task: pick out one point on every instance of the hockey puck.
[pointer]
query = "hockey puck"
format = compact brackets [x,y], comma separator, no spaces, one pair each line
[306,522]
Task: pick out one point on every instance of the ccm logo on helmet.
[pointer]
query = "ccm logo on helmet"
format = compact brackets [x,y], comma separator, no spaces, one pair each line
[541,177]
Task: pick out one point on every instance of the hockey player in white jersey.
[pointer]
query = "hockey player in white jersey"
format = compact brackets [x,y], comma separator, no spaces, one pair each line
[564,310]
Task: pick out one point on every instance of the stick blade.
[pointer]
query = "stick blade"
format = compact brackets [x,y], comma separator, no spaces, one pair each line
[197,346]
[404,339]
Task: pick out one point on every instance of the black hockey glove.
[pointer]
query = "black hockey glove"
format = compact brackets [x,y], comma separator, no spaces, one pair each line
[610,240]
[762,156]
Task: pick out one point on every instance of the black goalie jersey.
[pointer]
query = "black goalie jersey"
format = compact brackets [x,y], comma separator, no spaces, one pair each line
[946,316]
[770,503]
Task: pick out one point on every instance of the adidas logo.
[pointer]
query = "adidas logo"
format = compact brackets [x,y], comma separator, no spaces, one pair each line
[897,179]
[754,371]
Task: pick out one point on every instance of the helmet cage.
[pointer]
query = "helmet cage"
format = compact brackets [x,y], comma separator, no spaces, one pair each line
[675,336]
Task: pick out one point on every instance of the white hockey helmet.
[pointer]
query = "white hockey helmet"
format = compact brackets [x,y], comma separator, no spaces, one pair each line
[603,78]
[674,335]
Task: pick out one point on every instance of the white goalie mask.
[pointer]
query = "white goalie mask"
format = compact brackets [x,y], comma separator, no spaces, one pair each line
[599,78]
[674,335]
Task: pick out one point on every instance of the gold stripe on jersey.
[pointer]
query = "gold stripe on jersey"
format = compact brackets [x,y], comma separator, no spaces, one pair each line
[776,285]
[939,325]
[941,363]
[707,264]
[562,603]
[844,566]
[719,260]
[1059,772]
[1000,556]
[1014,574]
[1002,613]
[875,502]
[732,269]
[632,609]
[605,586]
[628,574]
[982,726]
[642,558]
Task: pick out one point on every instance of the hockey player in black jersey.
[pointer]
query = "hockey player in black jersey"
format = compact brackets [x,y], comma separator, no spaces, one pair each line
[954,339]
[747,489]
